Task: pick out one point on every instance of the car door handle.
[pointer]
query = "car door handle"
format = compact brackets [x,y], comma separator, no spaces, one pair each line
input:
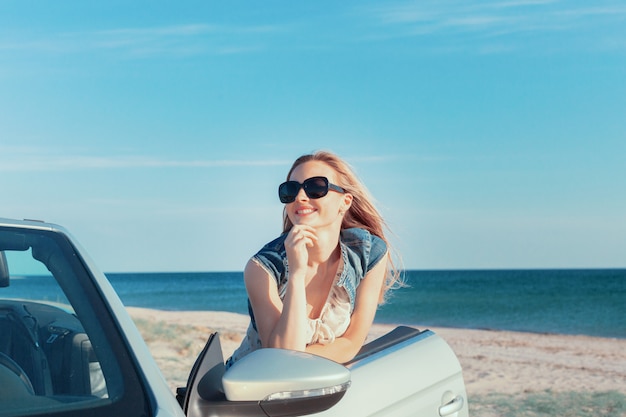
[453,406]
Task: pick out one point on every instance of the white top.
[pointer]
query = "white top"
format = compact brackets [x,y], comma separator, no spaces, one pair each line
[335,316]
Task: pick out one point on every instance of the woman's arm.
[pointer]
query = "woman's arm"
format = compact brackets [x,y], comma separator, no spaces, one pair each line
[347,346]
[280,323]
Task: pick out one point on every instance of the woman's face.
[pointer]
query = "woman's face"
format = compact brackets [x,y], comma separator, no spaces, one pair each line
[320,212]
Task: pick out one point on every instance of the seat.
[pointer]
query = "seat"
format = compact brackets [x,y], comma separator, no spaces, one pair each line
[13,380]
[20,342]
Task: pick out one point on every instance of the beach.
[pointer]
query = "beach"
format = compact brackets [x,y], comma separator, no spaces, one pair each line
[501,362]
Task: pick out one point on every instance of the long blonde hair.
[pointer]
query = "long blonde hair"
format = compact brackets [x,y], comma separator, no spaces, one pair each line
[362,213]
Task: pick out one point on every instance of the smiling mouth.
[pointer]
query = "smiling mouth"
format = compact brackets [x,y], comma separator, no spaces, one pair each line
[305,211]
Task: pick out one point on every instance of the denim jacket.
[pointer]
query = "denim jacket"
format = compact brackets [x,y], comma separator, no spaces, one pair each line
[360,251]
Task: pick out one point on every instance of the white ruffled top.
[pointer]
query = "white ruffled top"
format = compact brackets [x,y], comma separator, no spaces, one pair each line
[335,316]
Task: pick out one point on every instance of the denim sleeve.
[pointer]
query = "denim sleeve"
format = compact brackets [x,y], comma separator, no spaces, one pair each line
[364,249]
[377,252]
[272,258]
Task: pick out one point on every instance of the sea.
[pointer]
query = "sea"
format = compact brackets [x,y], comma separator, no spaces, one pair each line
[563,301]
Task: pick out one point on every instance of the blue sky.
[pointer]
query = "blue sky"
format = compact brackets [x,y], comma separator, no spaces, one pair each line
[491,133]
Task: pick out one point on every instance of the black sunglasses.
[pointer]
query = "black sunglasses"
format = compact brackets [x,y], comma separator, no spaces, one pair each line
[314,187]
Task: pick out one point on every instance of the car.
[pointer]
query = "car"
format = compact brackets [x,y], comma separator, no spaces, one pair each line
[68,347]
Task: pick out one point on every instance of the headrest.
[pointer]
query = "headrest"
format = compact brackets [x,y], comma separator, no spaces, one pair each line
[4,270]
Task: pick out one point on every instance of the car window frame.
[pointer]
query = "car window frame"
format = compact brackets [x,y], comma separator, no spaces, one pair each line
[104,331]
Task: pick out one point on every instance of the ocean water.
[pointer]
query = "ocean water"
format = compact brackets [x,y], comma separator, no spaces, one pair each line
[589,302]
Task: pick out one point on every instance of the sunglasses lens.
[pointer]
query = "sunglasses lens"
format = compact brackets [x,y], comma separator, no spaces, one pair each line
[316,187]
[288,191]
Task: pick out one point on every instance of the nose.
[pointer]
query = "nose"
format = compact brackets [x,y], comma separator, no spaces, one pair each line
[301,196]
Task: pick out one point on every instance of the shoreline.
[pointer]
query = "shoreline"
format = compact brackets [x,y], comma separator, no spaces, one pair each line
[493,361]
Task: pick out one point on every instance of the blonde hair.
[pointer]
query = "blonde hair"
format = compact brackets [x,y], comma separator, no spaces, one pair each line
[362,213]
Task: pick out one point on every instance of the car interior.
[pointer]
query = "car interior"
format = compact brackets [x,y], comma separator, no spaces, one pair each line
[46,356]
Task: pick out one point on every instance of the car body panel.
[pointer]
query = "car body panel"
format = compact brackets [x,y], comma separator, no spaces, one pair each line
[429,370]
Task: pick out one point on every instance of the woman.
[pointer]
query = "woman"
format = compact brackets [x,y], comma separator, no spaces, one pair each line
[316,288]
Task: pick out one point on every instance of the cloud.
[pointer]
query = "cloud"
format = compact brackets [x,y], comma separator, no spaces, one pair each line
[452,14]
[42,159]
[489,20]
[173,40]
[31,159]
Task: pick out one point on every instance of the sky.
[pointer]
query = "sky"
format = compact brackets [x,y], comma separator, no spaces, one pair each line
[492,134]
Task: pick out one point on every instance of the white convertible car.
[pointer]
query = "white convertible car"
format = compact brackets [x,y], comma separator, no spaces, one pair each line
[69,348]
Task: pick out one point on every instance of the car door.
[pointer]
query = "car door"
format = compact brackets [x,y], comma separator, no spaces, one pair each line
[406,373]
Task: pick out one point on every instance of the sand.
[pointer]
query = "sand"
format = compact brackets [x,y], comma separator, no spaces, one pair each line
[492,361]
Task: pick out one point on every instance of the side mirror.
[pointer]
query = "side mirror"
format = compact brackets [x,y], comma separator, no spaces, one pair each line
[285,382]
[270,382]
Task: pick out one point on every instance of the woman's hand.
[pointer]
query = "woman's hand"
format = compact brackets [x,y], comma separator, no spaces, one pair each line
[299,239]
